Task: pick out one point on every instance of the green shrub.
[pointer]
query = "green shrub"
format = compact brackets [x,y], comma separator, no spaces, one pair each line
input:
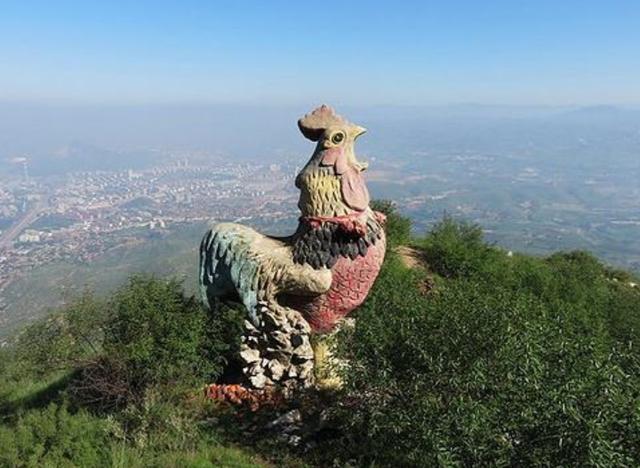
[397,227]
[157,331]
[154,335]
[53,436]
[62,339]
[159,434]
[456,249]
[167,425]
[516,361]
[624,315]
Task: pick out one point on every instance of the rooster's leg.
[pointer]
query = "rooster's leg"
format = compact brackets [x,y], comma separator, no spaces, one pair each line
[325,375]
[327,366]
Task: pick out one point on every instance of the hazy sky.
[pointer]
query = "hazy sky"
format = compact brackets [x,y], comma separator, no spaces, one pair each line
[347,52]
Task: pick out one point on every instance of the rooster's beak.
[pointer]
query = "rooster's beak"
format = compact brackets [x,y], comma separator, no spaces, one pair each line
[358,130]
[362,166]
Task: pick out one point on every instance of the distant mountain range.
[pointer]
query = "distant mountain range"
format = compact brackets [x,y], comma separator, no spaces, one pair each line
[60,138]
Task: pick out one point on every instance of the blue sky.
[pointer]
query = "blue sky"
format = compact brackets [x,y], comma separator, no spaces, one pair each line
[398,52]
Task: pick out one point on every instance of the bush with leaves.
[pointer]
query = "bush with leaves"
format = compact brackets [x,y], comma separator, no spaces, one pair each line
[513,362]
[155,335]
[54,436]
[397,227]
[157,331]
[456,248]
[102,383]
[64,338]
[155,434]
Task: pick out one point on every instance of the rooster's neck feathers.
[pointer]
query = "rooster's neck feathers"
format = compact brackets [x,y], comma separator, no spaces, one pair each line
[322,246]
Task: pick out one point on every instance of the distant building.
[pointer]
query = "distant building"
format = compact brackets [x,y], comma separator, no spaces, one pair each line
[157,223]
[131,175]
[25,170]
[29,236]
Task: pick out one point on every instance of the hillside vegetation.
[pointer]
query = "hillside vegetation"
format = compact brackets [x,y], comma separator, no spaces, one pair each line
[471,356]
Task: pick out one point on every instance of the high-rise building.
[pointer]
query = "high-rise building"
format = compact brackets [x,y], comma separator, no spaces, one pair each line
[25,170]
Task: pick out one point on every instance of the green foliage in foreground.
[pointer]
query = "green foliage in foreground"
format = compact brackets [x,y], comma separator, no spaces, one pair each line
[112,383]
[513,360]
[157,336]
[397,227]
[476,358]
[56,436]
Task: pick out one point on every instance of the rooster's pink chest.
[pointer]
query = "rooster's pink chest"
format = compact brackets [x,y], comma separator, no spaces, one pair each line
[352,280]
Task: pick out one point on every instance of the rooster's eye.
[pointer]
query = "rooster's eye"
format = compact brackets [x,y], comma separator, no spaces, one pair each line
[337,138]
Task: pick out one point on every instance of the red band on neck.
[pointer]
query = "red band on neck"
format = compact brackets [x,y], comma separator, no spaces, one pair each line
[349,223]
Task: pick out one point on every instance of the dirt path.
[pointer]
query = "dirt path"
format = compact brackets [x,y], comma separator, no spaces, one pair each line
[410,256]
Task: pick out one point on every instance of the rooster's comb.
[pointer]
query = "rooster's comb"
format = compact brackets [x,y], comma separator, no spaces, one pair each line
[316,122]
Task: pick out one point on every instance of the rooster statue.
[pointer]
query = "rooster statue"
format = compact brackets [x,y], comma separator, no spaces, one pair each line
[297,289]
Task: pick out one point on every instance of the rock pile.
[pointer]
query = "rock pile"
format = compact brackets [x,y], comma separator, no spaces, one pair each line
[278,350]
